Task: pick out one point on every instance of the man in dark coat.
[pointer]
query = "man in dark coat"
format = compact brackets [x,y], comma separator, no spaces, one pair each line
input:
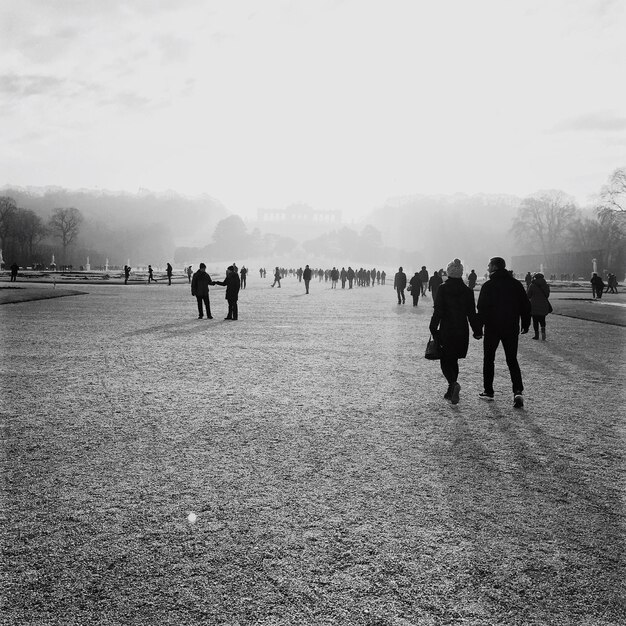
[399,284]
[306,274]
[416,288]
[471,279]
[597,286]
[232,284]
[126,273]
[502,304]
[453,308]
[14,270]
[168,271]
[434,283]
[424,278]
[200,282]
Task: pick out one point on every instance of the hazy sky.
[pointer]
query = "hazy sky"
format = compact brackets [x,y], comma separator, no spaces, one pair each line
[340,104]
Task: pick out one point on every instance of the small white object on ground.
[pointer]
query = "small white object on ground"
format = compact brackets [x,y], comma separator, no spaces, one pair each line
[192,517]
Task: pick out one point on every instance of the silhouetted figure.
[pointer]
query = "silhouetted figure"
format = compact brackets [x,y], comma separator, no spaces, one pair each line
[343,275]
[306,275]
[597,286]
[14,270]
[453,308]
[232,284]
[126,273]
[168,271]
[538,293]
[276,277]
[434,283]
[416,288]
[189,272]
[200,289]
[334,277]
[243,274]
[528,279]
[350,275]
[150,275]
[471,279]
[502,305]
[424,279]
[399,284]
[383,276]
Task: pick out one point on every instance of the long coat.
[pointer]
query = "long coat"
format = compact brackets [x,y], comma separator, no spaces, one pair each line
[538,294]
[232,284]
[200,282]
[454,308]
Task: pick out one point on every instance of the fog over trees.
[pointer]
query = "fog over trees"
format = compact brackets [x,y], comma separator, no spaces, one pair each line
[410,231]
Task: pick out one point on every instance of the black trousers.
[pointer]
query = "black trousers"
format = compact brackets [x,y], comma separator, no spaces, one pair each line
[450,369]
[539,320]
[306,284]
[233,310]
[207,304]
[490,345]
[416,296]
[400,295]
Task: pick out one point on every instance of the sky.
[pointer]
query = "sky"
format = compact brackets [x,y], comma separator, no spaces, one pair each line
[338,104]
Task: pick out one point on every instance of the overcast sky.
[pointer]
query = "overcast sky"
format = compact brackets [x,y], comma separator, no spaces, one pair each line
[340,104]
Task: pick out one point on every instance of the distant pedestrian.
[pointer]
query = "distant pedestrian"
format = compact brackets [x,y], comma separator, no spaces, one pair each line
[434,283]
[306,275]
[424,279]
[334,277]
[502,305]
[538,293]
[243,275]
[126,273]
[399,284]
[277,277]
[528,279]
[350,275]
[232,284]
[200,289]
[416,288]
[168,271]
[597,286]
[453,308]
[150,275]
[471,279]
[343,275]
[14,270]
[189,272]
[383,276]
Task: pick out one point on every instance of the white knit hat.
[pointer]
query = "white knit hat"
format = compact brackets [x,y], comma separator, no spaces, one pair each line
[455,269]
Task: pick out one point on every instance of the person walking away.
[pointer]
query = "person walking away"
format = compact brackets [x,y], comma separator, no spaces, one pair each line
[399,284]
[416,288]
[502,305]
[424,279]
[126,273]
[597,286]
[168,271]
[344,276]
[200,289]
[454,307]
[189,272]
[306,275]
[529,279]
[150,275]
[434,283]
[232,284]
[243,274]
[538,293]
[350,274]
[15,268]
[276,277]
[471,279]
[334,277]
[383,276]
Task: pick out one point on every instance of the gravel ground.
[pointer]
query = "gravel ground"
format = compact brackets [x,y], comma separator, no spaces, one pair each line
[332,483]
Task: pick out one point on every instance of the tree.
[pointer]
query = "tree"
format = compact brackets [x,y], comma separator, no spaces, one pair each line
[230,237]
[543,220]
[65,224]
[29,231]
[611,209]
[8,209]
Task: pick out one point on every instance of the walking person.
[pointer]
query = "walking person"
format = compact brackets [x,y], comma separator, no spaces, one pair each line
[150,275]
[597,286]
[189,272]
[502,305]
[14,270]
[126,273]
[471,279]
[168,271]
[399,284]
[243,274]
[454,307]
[276,277]
[434,283]
[200,289]
[538,293]
[306,275]
[416,288]
[232,284]
[424,279]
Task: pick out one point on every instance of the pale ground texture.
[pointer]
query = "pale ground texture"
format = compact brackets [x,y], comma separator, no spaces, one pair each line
[332,483]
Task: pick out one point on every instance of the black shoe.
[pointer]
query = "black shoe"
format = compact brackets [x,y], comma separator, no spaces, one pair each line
[209,317]
[228,318]
[485,395]
[518,401]
[199,317]
[448,394]
[455,393]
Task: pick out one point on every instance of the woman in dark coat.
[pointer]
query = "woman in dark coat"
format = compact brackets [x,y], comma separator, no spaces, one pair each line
[538,294]
[454,308]
[416,288]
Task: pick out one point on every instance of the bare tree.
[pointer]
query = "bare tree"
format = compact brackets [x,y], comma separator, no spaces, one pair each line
[65,224]
[611,209]
[8,209]
[29,231]
[543,221]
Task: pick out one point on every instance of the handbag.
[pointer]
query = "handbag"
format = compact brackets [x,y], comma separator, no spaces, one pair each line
[433,352]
